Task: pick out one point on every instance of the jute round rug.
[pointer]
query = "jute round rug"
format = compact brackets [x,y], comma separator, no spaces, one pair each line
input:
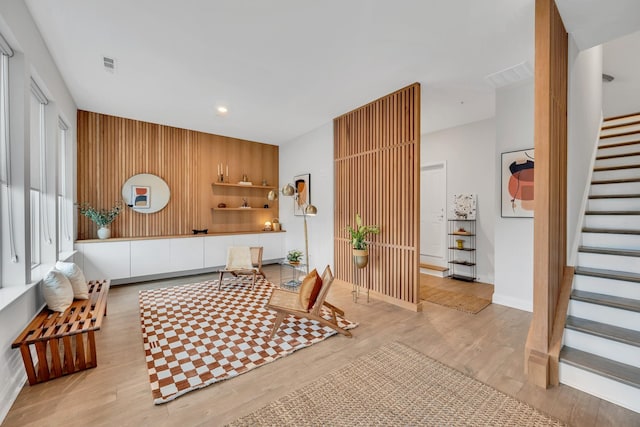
[398,386]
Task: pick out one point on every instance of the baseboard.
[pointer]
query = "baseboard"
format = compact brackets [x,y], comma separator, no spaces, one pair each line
[380,297]
[11,387]
[508,301]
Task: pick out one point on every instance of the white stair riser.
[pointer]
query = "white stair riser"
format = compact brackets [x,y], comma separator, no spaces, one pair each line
[613,151]
[619,188]
[614,222]
[609,262]
[436,273]
[611,241]
[599,285]
[626,204]
[604,388]
[618,161]
[603,314]
[619,139]
[616,174]
[610,349]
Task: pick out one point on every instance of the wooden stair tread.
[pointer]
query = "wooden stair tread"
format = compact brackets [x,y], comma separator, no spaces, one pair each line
[606,300]
[609,231]
[433,267]
[615,181]
[615,168]
[617,371]
[620,125]
[612,213]
[623,116]
[618,144]
[615,196]
[617,156]
[603,330]
[608,251]
[608,274]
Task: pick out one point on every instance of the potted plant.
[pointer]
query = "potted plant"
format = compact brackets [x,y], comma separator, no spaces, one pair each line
[294,256]
[102,217]
[358,242]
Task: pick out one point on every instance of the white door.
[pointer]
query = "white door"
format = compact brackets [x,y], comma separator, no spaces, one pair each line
[433,203]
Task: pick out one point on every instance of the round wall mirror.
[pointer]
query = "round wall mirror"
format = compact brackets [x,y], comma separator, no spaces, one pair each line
[146,193]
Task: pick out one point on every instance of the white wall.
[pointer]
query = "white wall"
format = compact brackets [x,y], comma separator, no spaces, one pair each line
[31,59]
[583,129]
[513,236]
[469,152]
[311,153]
[621,59]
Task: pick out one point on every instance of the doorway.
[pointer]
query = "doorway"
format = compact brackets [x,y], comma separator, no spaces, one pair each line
[433,205]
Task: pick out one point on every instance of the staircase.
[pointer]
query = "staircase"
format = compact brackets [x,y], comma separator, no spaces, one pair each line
[601,346]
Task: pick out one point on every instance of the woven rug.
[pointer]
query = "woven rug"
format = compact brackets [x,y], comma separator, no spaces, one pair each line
[396,386]
[461,302]
[195,335]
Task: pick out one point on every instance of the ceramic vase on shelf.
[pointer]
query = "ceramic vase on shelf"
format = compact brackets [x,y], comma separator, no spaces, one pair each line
[361,257]
[104,233]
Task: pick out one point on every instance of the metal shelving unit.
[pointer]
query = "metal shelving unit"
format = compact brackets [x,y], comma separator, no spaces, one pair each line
[462,249]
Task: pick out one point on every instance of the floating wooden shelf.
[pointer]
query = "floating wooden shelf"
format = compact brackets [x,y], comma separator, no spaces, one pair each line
[241,209]
[460,233]
[228,184]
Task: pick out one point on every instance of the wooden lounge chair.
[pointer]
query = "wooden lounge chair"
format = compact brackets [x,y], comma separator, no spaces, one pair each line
[285,302]
[243,261]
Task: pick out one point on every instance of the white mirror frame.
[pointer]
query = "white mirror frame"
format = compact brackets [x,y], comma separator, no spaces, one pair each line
[153,193]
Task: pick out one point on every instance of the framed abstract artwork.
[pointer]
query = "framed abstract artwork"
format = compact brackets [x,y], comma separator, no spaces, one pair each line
[302,184]
[140,196]
[517,184]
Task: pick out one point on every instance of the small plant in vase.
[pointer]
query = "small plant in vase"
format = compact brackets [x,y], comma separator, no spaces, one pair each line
[102,217]
[294,256]
[358,242]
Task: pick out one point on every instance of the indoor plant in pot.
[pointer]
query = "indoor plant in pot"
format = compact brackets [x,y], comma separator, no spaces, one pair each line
[102,217]
[294,256]
[358,242]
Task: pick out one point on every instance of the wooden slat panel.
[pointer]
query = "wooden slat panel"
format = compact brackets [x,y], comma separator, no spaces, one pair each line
[550,136]
[377,174]
[112,149]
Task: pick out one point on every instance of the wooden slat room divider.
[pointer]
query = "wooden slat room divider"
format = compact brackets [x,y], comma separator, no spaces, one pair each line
[112,149]
[550,193]
[377,174]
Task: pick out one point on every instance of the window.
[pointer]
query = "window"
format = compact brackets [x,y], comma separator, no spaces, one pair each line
[64,201]
[38,163]
[5,160]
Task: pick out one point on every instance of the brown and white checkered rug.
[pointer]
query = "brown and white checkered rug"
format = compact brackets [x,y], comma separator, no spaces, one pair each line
[195,335]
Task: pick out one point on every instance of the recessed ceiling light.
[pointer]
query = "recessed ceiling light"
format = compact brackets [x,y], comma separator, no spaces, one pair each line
[222,110]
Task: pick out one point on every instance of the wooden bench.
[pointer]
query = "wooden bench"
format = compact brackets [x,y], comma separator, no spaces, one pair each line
[64,342]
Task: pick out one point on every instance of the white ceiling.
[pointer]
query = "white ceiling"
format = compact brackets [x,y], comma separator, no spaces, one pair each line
[285,67]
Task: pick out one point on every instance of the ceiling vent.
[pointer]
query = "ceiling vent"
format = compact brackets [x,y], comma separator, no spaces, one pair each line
[109,64]
[511,75]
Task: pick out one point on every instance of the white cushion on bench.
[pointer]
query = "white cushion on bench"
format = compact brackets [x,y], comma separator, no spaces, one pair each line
[76,277]
[57,291]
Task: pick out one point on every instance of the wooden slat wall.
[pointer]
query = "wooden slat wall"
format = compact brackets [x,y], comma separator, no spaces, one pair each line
[550,135]
[112,149]
[377,174]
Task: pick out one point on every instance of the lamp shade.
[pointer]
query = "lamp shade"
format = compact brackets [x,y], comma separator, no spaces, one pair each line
[311,210]
[288,190]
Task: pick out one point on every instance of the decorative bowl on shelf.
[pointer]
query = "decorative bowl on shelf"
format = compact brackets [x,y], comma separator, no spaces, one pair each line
[222,205]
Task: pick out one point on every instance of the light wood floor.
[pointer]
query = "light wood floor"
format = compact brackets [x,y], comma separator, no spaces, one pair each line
[488,346]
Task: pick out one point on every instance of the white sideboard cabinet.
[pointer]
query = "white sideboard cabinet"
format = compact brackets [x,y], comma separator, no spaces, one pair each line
[125,260]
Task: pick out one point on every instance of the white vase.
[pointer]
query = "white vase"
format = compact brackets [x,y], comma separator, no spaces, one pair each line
[104,232]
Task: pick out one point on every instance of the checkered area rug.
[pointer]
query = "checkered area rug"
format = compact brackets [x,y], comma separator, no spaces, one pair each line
[195,335]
